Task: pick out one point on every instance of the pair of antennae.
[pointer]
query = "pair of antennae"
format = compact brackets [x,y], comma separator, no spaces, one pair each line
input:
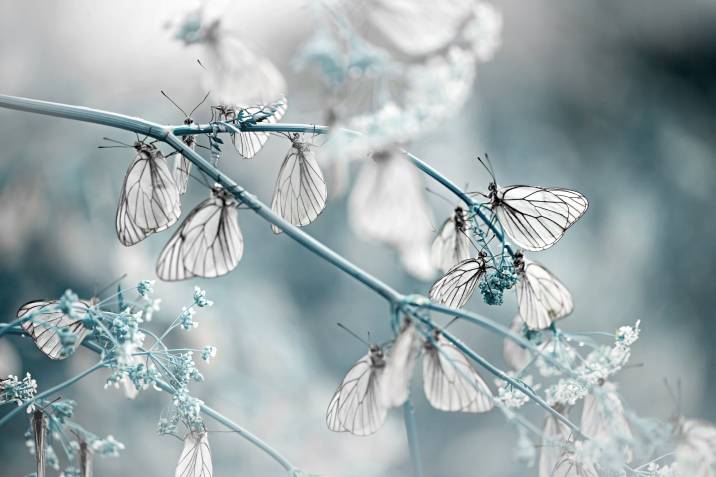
[179,108]
[487,164]
[110,285]
[355,335]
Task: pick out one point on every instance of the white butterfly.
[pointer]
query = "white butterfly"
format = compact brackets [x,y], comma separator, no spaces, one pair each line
[48,319]
[249,143]
[452,244]
[555,432]
[456,287]
[149,201]
[400,365]
[541,298]
[535,218]
[208,243]
[569,466]
[39,431]
[195,458]
[696,448]
[182,166]
[300,194]
[358,405]
[450,382]
[603,418]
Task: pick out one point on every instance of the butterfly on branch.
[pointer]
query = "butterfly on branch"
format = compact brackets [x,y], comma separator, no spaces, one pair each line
[208,243]
[149,201]
[534,218]
[195,458]
[300,194]
[456,287]
[452,244]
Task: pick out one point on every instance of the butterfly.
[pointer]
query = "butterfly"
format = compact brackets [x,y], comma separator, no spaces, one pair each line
[541,297]
[603,417]
[149,201]
[696,448]
[516,356]
[249,143]
[455,288]
[555,432]
[400,364]
[534,218]
[195,458]
[38,423]
[450,382]
[43,320]
[300,194]
[569,466]
[452,244]
[208,243]
[182,165]
[358,404]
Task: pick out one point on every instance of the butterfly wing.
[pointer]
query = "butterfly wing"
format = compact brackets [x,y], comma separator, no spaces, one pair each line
[458,284]
[568,466]
[208,243]
[515,355]
[357,406]
[149,201]
[195,458]
[696,448]
[248,143]
[450,382]
[554,432]
[450,247]
[535,218]
[44,320]
[182,166]
[301,193]
[400,365]
[541,297]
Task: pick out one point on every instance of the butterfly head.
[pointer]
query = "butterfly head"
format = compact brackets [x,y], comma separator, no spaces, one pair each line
[188,121]
[519,261]
[459,218]
[377,358]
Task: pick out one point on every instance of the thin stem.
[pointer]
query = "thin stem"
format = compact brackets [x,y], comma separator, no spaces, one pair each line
[411,431]
[51,391]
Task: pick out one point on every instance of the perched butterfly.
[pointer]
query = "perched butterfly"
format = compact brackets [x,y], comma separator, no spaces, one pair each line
[696,448]
[555,432]
[450,382]
[456,287]
[195,459]
[603,418]
[516,356]
[569,466]
[541,298]
[358,404]
[400,364]
[149,201]
[38,423]
[44,320]
[535,218]
[182,165]
[207,244]
[452,245]
[300,194]
[249,143]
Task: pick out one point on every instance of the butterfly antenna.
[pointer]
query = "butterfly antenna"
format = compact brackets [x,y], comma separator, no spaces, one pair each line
[487,167]
[201,180]
[491,168]
[202,102]
[345,328]
[454,319]
[175,104]
[120,143]
[110,285]
[200,64]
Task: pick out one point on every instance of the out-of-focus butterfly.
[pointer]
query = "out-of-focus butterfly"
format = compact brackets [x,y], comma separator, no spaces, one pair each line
[452,244]
[450,382]
[300,194]
[358,404]
[603,418]
[43,320]
[38,423]
[182,165]
[248,143]
[569,466]
[696,448]
[149,201]
[208,243]
[555,434]
[455,288]
[534,218]
[195,458]
[516,356]
[541,297]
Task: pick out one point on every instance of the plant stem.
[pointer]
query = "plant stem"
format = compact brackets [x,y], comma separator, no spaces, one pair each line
[411,431]
[51,391]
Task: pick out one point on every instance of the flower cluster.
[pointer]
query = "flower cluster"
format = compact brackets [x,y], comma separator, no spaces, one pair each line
[495,284]
[145,287]
[14,389]
[200,298]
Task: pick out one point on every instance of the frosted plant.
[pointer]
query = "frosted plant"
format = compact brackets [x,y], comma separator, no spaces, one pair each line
[483,245]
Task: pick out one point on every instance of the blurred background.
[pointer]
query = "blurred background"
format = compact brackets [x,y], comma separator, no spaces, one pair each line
[614,99]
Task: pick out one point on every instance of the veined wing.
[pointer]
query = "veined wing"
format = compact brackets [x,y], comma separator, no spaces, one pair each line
[195,459]
[555,433]
[450,247]
[300,194]
[208,243]
[458,284]
[357,406]
[46,322]
[450,382]
[535,218]
[541,297]
[249,143]
[182,166]
[400,365]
